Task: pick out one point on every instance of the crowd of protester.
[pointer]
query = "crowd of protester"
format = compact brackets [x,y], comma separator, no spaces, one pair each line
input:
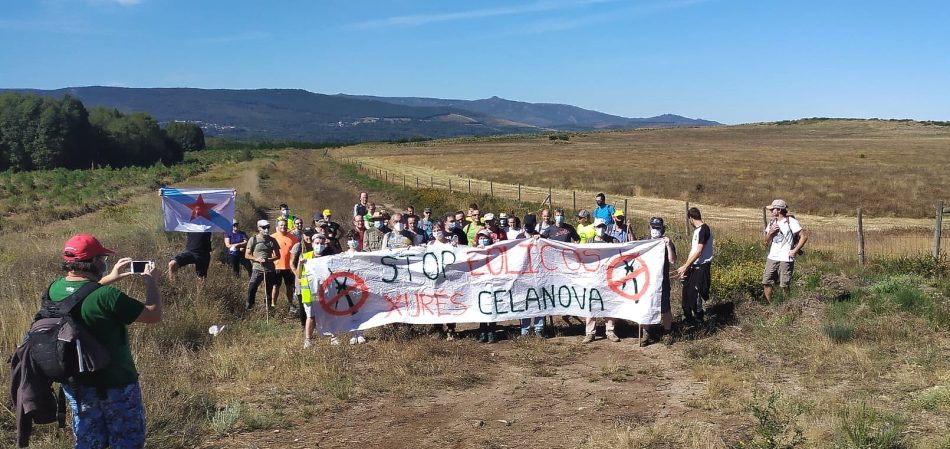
[277,259]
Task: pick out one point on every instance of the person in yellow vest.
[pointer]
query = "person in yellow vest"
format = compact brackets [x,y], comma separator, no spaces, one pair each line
[585,229]
[320,249]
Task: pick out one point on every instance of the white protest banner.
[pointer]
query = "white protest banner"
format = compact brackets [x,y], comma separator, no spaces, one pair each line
[509,280]
[198,210]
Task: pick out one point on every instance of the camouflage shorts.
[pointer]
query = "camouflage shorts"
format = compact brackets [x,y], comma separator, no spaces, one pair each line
[118,421]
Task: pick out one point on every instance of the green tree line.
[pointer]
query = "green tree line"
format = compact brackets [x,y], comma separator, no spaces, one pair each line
[40,133]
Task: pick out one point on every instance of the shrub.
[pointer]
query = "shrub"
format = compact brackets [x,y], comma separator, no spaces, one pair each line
[867,428]
[742,280]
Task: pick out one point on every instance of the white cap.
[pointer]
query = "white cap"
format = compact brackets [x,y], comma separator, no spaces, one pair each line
[599,222]
[488,216]
[262,223]
[503,215]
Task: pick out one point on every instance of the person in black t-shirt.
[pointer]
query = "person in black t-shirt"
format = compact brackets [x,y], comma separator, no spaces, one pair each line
[695,272]
[197,251]
[561,230]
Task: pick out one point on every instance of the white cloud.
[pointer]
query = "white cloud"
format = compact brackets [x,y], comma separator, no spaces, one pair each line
[412,20]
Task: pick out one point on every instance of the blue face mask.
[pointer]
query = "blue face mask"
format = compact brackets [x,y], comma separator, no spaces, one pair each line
[484,242]
[558,219]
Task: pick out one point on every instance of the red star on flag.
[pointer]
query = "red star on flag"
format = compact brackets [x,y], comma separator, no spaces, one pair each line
[200,208]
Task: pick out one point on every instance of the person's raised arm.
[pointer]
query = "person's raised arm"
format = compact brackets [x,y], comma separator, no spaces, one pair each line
[152,313]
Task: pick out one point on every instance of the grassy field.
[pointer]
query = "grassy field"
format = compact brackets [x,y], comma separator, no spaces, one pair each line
[855,358]
[824,168]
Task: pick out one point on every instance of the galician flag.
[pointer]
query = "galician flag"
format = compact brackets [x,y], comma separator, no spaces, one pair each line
[198,210]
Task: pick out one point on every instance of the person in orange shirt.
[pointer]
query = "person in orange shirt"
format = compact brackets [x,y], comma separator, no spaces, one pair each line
[285,273]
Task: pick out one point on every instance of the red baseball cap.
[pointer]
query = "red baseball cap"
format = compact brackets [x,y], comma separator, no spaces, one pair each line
[84,247]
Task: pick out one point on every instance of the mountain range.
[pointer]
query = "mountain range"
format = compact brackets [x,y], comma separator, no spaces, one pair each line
[294,114]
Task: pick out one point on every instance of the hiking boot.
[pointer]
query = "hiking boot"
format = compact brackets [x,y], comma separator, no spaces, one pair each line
[360,339]
[450,336]
[483,337]
[491,337]
[307,343]
[613,337]
[647,341]
[588,338]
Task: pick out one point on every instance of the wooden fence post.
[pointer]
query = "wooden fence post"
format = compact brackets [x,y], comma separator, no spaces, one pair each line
[450,185]
[469,186]
[860,237]
[404,181]
[765,216]
[625,210]
[550,198]
[938,225]
[431,182]
[574,199]
[417,182]
[519,192]
[491,188]
[687,220]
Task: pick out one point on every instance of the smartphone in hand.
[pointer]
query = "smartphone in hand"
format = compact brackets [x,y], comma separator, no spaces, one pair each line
[138,266]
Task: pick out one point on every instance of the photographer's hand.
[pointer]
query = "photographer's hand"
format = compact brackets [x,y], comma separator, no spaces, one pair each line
[119,271]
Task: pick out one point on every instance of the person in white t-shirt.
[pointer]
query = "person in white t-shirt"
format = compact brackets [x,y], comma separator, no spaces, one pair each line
[785,237]
[695,273]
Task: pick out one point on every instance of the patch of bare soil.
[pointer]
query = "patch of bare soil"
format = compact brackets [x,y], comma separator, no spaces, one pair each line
[584,389]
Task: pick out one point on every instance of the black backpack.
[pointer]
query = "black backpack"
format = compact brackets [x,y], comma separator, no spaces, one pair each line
[56,349]
[63,348]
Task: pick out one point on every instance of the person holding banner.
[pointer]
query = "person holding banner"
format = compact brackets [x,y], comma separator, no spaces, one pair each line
[546,221]
[658,231]
[486,331]
[197,252]
[492,229]
[453,228]
[695,273]
[585,229]
[515,231]
[590,323]
[373,235]
[263,250]
[359,226]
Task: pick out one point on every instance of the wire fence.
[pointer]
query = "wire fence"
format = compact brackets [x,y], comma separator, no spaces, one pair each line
[851,238]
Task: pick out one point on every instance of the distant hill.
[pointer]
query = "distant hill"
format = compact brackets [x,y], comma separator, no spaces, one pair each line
[545,115]
[294,114]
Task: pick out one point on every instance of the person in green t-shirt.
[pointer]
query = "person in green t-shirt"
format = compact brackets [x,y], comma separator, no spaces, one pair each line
[107,406]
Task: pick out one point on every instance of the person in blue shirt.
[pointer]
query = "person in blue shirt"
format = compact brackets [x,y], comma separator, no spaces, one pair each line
[236,242]
[603,210]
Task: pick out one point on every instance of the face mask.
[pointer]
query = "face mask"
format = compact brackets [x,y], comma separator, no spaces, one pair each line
[438,235]
[619,223]
[284,213]
[319,248]
[352,243]
[558,219]
[265,231]
[599,232]
[655,233]
[379,225]
[484,242]
[398,227]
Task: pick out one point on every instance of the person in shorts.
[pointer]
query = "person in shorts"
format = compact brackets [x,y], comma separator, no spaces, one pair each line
[785,237]
[285,274]
[658,231]
[107,408]
[197,252]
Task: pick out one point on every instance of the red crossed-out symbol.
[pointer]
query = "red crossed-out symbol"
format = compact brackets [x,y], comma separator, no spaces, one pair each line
[622,276]
[344,289]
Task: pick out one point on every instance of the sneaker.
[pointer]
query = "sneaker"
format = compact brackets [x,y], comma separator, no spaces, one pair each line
[450,336]
[491,337]
[352,340]
[307,343]
[646,341]
[483,337]
[361,339]
[588,338]
[613,337]
[334,341]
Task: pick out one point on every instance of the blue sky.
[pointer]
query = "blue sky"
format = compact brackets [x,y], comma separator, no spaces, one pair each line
[731,61]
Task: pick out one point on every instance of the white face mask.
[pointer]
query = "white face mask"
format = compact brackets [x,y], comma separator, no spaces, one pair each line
[438,235]
[558,219]
[379,224]
[398,227]
[599,232]
[352,243]
[655,233]
[319,248]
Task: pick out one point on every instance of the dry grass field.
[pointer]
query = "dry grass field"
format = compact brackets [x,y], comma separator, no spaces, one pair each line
[821,167]
[854,359]
[894,171]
